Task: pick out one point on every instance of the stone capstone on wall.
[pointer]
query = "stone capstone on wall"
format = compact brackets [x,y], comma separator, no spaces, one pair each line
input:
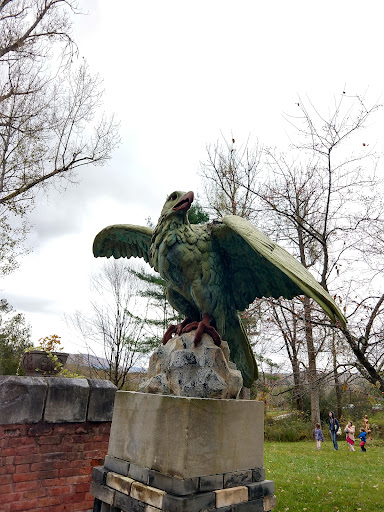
[54,400]
[180,368]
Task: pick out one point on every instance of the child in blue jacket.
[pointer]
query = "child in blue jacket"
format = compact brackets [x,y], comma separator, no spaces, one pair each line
[363,437]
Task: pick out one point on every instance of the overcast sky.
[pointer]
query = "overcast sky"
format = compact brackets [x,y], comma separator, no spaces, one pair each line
[178,74]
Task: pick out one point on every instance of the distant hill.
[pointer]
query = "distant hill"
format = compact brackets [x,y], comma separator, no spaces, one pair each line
[99,363]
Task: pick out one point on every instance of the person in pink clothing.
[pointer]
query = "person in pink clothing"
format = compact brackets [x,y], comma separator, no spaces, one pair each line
[350,431]
[318,436]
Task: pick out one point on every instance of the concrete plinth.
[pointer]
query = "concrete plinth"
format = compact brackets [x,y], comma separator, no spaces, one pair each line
[180,454]
[187,437]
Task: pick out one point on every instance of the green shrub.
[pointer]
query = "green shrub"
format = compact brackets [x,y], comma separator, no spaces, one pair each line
[290,428]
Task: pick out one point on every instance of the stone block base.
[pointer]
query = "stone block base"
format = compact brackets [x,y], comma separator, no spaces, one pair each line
[155,492]
[178,454]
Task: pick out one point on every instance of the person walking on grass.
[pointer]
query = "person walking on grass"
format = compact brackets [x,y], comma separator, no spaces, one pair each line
[350,431]
[333,428]
[318,435]
[366,428]
[363,438]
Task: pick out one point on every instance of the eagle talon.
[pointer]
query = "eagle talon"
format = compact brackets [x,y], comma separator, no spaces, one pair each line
[172,329]
[201,328]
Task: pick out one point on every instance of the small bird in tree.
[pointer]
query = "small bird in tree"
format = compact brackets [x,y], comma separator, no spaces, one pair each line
[213,271]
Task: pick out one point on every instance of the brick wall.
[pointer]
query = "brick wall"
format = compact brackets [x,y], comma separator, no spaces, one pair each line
[52,433]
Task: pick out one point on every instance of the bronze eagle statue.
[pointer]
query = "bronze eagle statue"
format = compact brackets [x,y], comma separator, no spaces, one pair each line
[213,271]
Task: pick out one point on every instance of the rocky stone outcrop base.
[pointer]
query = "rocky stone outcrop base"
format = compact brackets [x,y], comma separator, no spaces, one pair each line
[123,486]
[182,368]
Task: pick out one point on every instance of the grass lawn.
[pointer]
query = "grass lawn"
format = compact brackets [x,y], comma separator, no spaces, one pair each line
[326,481]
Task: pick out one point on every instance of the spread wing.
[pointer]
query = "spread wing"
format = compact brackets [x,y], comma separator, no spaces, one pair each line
[123,241]
[258,267]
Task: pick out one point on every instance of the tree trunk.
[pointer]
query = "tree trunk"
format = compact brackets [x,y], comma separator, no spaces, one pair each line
[312,371]
[298,391]
[338,390]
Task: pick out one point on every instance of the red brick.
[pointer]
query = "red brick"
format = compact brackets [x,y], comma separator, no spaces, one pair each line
[85,505]
[13,432]
[50,457]
[67,507]
[24,477]
[97,462]
[21,441]
[10,461]
[76,498]
[76,479]
[6,479]
[22,468]
[50,473]
[27,486]
[6,489]
[60,464]
[26,459]
[68,472]
[40,429]
[53,448]
[39,466]
[35,493]
[8,452]
[84,487]
[11,497]
[6,470]
[85,471]
[23,505]
[77,439]
[27,450]
[52,482]
[50,440]
[60,490]
[49,501]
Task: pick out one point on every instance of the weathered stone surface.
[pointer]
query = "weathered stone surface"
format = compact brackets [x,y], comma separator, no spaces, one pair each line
[67,400]
[269,502]
[225,497]
[22,399]
[138,473]
[178,486]
[211,483]
[258,474]
[260,489]
[235,478]
[187,437]
[249,506]
[102,492]
[101,398]
[183,369]
[149,508]
[193,503]
[119,482]
[117,465]
[127,503]
[99,475]
[147,494]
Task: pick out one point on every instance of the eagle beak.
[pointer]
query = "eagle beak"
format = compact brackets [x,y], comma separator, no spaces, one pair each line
[184,203]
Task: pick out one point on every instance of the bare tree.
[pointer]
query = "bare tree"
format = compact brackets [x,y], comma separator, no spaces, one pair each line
[50,123]
[323,202]
[229,176]
[115,325]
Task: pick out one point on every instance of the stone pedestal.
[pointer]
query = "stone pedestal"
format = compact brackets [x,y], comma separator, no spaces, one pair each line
[180,454]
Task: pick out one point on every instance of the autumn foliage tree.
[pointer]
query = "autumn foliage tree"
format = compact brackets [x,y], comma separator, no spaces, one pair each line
[50,119]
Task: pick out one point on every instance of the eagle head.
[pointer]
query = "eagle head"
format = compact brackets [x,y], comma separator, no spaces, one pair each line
[177,202]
